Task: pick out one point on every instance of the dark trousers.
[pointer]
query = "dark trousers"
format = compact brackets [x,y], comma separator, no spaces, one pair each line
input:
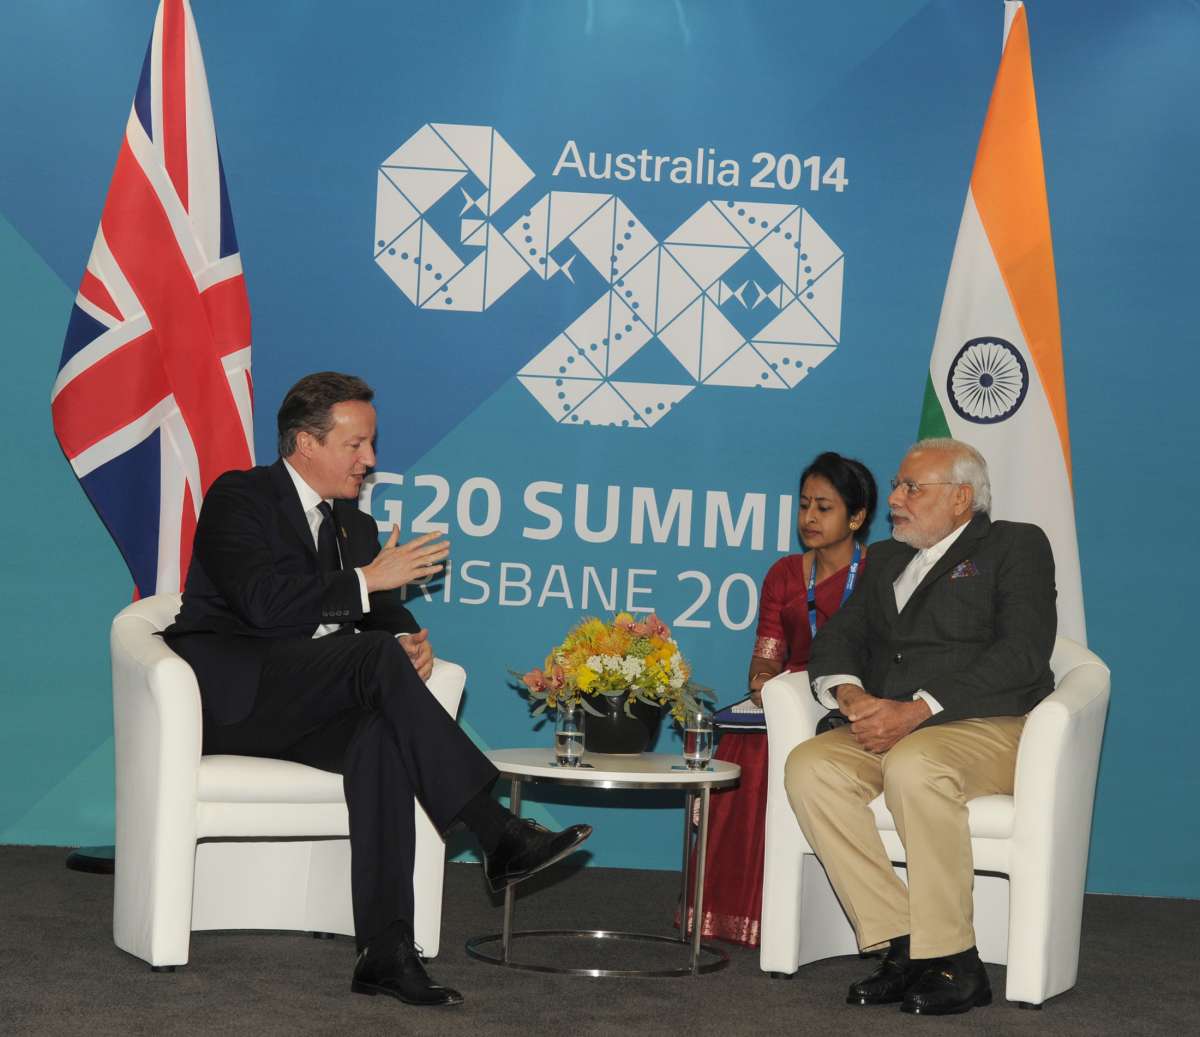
[354,705]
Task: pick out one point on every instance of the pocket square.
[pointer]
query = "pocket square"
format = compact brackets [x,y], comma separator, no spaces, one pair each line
[964,569]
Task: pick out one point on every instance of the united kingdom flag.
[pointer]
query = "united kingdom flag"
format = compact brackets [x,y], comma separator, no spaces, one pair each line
[153,398]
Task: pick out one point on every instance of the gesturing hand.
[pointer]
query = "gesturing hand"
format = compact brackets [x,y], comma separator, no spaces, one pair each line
[878,724]
[395,566]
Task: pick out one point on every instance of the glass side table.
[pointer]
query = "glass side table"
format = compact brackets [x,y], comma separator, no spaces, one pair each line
[647,771]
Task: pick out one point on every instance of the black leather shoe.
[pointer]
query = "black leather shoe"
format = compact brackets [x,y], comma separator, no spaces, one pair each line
[527,847]
[391,964]
[946,988]
[888,983]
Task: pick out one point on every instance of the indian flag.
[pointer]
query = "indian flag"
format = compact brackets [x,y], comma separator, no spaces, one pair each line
[996,373]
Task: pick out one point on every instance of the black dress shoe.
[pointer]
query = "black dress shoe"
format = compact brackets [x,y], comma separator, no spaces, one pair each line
[527,847]
[391,964]
[888,983]
[947,988]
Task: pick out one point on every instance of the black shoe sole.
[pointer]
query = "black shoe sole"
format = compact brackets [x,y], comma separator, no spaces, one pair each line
[357,986]
[979,1001]
[864,1002]
[566,851]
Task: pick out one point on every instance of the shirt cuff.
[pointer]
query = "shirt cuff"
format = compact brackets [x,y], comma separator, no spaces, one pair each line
[362,591]
[935,707]
[823,688]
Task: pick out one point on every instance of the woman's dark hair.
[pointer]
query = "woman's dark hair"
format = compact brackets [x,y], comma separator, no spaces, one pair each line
[307,405]
[853,481]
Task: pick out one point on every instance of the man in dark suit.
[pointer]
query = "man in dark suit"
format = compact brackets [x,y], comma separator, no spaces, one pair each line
[935,661]
[293,621]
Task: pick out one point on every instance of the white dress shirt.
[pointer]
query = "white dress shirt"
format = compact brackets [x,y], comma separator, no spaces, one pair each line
[310,501]
[905,584]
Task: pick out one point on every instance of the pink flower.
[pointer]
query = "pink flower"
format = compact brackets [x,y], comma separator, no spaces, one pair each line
[657,628]
[558,679]
[535,680]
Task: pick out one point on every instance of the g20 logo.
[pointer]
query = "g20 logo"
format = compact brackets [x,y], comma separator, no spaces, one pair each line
[741,294]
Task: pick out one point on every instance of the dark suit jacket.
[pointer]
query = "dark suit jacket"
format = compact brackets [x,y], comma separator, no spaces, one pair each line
[976,634]
[254,578]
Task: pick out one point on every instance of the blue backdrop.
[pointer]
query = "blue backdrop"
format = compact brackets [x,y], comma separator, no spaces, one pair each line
[853,126]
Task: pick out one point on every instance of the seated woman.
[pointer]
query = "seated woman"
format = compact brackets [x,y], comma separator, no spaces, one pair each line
[800,592]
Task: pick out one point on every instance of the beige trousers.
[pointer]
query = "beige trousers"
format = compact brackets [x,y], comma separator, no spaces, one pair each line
[926,779]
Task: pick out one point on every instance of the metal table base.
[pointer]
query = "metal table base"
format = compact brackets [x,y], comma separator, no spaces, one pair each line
[719,959]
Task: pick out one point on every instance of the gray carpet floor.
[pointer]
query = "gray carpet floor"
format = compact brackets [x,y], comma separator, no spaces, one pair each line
[61,974]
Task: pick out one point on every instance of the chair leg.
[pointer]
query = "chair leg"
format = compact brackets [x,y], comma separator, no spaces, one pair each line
[782,975]
[162,968]
[322,936]
[1029,1007]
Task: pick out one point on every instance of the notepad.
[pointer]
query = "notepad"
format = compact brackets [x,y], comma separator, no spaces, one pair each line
[744,715]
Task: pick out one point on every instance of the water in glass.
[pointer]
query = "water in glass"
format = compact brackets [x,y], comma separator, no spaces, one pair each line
[568,748]
[568,735]
[698,741]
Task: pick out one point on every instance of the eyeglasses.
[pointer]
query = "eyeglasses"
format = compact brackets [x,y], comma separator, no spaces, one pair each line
[912,488]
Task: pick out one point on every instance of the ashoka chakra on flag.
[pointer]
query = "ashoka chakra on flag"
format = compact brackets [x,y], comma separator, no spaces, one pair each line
[987,380]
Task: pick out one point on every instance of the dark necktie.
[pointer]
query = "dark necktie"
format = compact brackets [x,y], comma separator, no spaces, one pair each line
[327,547]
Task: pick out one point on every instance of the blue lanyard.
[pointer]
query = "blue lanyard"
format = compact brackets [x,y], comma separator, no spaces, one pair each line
[812,587]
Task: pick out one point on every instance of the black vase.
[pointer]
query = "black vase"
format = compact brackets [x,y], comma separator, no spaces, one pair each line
[614,731]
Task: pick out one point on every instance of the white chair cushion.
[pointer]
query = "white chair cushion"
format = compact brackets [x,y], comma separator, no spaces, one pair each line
[991,817]
[253,779]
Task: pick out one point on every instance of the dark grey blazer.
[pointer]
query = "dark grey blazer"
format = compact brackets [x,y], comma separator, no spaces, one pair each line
[254,578]
[976,634]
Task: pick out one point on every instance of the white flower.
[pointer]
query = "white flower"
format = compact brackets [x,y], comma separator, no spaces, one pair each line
[632,667]
[594,664]
[611,662]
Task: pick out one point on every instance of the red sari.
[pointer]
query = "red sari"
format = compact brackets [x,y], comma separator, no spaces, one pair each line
[737,816]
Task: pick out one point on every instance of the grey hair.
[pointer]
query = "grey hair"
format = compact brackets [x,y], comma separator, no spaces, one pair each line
[967,466]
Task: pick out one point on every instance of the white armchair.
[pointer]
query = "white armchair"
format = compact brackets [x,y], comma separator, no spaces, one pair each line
[229,842]
[1030,848]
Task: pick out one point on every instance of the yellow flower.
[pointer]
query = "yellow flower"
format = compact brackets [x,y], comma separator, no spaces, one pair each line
[585,677]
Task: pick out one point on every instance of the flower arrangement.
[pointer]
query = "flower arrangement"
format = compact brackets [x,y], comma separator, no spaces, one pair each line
[626,656]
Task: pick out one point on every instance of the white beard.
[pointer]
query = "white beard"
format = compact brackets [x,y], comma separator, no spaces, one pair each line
[914,538]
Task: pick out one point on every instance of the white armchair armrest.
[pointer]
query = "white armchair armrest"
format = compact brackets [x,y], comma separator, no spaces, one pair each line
[157,733]
[1052,819]
[792,714]
[447,682]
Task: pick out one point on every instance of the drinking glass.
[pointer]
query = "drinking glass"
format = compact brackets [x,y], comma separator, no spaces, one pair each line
[568,734]
[697,738]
